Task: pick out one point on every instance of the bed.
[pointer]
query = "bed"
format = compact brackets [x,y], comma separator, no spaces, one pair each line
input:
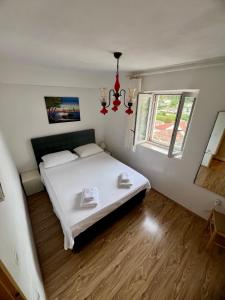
[65,182]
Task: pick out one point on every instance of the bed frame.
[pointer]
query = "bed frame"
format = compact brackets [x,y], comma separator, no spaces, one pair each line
[69,141]
[106,222]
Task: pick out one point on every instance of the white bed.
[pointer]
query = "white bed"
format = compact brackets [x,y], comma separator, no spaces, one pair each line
[64,184]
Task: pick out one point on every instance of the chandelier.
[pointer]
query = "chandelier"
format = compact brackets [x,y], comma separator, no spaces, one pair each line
[116,94]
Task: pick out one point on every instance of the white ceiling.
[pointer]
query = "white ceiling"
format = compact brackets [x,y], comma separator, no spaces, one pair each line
[83,33]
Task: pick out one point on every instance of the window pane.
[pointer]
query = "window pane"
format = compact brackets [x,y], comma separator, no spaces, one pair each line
[142,116]
[183,125]
[164,120]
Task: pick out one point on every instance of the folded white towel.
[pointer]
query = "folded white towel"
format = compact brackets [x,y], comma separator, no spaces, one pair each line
[124,177]
[124,181]
[89,194]
[89,204]
[89,198]
[124,185]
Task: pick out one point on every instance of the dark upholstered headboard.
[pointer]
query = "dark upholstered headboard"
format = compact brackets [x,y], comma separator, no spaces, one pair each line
[59,142]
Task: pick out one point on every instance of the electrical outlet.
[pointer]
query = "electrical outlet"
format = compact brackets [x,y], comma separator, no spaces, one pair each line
[217,202]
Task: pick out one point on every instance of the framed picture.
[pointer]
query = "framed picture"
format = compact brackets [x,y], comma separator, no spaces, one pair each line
[62,109]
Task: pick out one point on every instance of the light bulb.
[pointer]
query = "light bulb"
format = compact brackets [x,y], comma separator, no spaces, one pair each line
[103,92]
[131,94]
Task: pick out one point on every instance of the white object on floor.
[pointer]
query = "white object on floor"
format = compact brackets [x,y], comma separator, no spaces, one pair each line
[31,181]
[66,181]
[124,177]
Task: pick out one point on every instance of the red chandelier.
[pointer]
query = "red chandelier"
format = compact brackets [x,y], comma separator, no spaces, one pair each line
[116,94]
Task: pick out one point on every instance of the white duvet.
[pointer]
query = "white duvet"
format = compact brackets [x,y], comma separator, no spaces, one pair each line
[64,184]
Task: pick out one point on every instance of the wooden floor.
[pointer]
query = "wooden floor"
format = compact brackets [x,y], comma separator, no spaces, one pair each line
[157,251]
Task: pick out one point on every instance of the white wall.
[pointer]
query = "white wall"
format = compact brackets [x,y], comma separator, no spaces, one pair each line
[22,106]
[174,177]
[23,116]
[16,245]
[15,73]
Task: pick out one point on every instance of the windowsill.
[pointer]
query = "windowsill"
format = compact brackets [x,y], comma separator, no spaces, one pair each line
[155,148]
[158,149]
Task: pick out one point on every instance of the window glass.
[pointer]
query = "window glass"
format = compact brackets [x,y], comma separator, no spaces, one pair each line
[142,116]
[183,124]
[166,107]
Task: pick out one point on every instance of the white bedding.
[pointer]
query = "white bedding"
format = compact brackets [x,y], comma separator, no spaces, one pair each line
[64,184]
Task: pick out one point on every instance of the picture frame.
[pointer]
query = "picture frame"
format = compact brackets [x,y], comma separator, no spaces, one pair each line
[62,109]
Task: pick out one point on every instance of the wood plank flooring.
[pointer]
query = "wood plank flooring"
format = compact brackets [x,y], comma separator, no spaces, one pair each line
[156,251]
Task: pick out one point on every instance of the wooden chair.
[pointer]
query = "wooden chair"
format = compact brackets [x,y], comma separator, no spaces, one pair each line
[216,225]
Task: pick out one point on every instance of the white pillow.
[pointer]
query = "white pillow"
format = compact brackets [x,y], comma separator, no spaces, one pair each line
[58,158]
[87,150]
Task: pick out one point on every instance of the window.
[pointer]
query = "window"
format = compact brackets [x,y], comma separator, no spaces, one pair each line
[162,119]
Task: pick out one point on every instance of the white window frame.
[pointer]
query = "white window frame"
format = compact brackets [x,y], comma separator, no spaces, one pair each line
[135,142]
[151,118]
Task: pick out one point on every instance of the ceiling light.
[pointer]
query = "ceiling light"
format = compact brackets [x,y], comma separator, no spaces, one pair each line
[116,94]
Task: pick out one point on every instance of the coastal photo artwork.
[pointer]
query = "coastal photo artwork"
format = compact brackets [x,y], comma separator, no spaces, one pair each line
[62,109]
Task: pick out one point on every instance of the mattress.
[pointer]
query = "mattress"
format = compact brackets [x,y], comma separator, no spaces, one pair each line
[64,185]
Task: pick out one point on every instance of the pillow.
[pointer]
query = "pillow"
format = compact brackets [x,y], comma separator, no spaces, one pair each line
[58,158]
[87,150]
